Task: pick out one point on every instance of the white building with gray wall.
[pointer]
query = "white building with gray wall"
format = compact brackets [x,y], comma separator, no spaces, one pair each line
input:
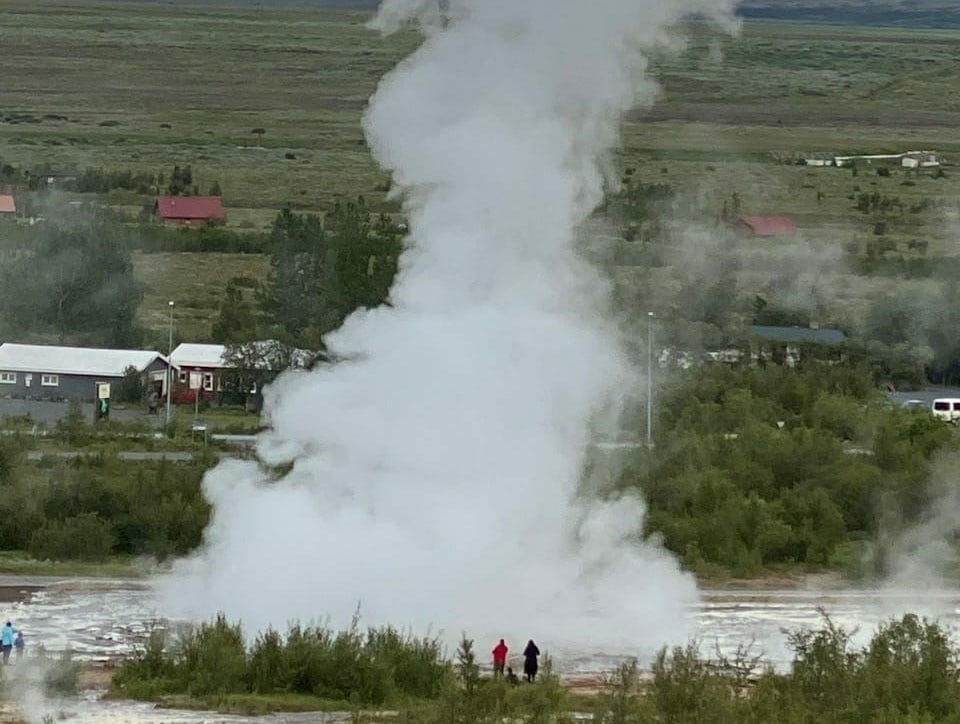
[47,372]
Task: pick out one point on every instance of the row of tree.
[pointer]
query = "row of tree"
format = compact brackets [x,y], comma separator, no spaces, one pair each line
[756,467]
[98,180]
[320,272]
[93,508]
[73,278]
[705,286]
[908,673]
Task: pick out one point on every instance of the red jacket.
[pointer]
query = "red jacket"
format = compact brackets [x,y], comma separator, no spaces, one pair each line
[500,653]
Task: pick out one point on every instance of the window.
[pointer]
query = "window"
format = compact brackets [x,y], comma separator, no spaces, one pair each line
[49,380]
[183,377]
[941,405]
[8,378]
[208,381]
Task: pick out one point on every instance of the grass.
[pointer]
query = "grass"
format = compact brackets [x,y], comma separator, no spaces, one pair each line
[263,704]
[147,86]
[192,92]
[20,563]
[197,282]
[253,704]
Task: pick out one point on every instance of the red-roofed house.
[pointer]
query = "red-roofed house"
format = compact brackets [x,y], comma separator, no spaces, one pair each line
[8,207]
[766,226]
[190,210]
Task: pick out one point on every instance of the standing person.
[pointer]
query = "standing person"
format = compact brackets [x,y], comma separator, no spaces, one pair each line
[530,664]
[19,644]
[499,658]
[6,641]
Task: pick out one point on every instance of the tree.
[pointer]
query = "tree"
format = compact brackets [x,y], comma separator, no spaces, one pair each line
[359,265]
[236,320]
[131,387]
[77,283]
[321,273]
[181,181]
[288,296]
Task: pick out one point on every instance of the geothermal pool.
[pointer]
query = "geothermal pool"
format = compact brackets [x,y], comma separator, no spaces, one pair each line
[101,620]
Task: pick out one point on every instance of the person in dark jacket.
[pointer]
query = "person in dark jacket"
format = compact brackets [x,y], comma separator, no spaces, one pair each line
[530,664]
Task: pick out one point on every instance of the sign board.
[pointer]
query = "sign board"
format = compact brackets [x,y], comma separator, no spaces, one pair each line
[196,380]
[103,390]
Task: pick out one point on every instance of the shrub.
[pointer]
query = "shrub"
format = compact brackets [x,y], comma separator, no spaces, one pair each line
[61,676]
[372,668]
[130,389]
[85,537]
[213,659]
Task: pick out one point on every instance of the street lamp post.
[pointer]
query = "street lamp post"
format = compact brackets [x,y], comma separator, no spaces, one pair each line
[169,361]
[649,378]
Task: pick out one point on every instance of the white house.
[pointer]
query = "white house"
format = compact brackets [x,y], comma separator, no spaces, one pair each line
[919,159]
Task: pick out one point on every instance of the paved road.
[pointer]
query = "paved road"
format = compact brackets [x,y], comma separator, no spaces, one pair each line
[177,457]
[49,412]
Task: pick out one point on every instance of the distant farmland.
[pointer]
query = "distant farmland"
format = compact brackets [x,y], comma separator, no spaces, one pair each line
[920,14]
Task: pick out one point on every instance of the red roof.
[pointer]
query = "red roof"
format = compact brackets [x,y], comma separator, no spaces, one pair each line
[7,205]
[767,225]
[190,207]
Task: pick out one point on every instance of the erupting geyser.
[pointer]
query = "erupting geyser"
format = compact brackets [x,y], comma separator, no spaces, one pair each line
[434,477]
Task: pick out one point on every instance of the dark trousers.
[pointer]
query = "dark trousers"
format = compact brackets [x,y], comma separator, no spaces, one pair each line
[498,667]
[6,653]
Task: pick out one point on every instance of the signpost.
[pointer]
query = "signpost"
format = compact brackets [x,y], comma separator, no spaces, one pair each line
[196,384]
[101,403]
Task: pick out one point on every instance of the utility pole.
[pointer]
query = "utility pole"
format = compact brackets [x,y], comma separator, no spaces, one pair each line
[169,361]
[649,379]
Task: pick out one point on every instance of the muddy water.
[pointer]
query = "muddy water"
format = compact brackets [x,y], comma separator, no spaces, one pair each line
[102,620]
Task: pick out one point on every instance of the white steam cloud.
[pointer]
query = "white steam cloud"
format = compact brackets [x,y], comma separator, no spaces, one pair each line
[434,478]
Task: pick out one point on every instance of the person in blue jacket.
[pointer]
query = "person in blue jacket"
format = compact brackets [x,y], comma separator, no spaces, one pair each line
[7,637]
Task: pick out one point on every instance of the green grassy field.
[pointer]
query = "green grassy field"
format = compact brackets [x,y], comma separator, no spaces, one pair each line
[147,86]
[196,281]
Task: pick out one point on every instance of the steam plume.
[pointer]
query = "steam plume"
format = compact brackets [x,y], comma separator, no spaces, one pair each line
[434,476]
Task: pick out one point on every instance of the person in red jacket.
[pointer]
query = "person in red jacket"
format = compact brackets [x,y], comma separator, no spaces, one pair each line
[499,658]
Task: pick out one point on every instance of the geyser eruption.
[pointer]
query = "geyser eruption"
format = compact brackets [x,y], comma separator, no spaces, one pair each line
[433,478]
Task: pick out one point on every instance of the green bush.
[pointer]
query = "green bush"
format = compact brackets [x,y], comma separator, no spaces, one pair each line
[62,676]
[761,467]
[213,659]
[98,506]
[84,537]
[908,672]
[372,668]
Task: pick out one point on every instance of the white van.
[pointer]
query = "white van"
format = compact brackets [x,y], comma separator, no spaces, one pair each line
[947,408]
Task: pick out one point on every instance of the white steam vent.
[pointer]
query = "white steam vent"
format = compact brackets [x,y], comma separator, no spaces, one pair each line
[434,477]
